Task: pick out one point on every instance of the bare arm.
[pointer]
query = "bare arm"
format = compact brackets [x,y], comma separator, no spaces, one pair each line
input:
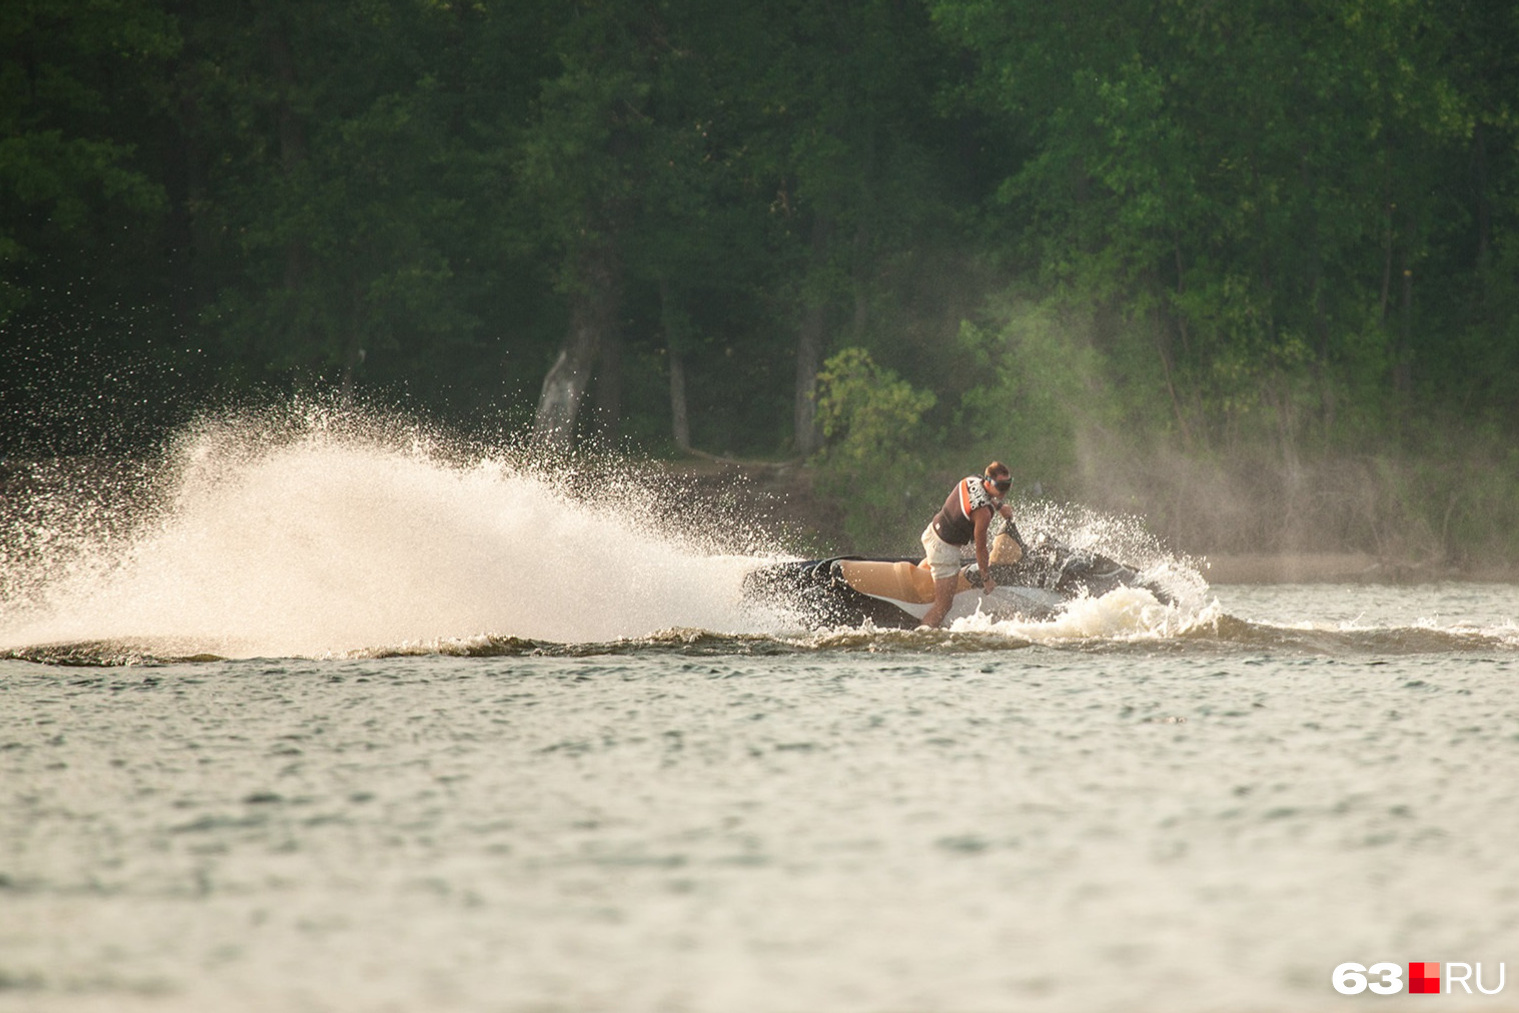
[983,519]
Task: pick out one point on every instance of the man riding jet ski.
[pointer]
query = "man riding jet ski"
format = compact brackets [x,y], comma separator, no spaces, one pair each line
[966,519]
[898,592]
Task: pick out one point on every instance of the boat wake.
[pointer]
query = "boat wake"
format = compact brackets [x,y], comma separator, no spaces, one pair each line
[320,534]
[1227,634]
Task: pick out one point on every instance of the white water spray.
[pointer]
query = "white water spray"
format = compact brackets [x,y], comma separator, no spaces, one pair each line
[328,541]
[314,532]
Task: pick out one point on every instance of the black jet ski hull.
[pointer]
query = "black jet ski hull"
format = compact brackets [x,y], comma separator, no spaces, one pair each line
[895,592]
[816,590]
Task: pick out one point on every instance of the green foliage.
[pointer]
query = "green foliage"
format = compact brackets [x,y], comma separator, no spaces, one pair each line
[873,453]
[73,74]
[1040,383]
[356,228]
[1243,178]
[1088,233]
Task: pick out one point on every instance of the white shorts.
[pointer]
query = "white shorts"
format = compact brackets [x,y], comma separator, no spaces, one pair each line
[943,558]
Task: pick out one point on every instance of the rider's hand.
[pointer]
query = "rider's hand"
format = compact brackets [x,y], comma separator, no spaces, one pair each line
[988,585]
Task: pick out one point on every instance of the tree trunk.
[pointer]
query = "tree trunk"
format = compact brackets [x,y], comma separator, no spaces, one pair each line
[1162,345]
[809,347]
[670,321]
[185,182]
[292,137]
[1389,211]
[609,383]
[353,342]
[1479,185]
[860,281]
[679,424]
[593,313]
[809,353]
[1403,367]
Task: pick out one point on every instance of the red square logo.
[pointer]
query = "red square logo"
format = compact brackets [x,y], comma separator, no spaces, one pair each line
[1424,977]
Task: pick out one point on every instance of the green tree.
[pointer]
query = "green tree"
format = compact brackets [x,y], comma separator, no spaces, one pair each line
[872,453]
[73,82]
[579,162]
[340,205]
[866,178]
[1239,188]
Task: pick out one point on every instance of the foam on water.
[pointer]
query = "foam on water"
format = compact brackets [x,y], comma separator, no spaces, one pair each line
[314,532]
[272,541]
[1125,613]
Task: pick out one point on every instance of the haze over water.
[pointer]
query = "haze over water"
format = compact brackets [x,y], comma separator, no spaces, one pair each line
[469,737]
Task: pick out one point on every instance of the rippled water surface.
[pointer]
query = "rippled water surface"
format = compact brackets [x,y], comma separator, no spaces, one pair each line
[318,726]
[960,821]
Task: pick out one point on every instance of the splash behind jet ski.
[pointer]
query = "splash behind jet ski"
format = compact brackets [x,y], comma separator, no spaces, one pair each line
[895,592]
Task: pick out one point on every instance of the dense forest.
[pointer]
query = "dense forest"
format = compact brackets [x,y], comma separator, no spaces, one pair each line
[1250,269]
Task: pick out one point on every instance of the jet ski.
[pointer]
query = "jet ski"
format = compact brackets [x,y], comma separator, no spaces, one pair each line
[895,592]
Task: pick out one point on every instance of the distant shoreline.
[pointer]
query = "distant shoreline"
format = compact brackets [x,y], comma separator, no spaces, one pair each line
[1338,568]
[786,489]
[782,494]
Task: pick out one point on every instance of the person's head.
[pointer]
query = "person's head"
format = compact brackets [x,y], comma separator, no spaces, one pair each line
[998,477]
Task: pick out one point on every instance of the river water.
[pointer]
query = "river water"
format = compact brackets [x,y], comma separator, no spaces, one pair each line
[329,732]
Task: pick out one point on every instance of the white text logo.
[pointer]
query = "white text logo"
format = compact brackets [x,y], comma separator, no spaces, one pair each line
[1423,977]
